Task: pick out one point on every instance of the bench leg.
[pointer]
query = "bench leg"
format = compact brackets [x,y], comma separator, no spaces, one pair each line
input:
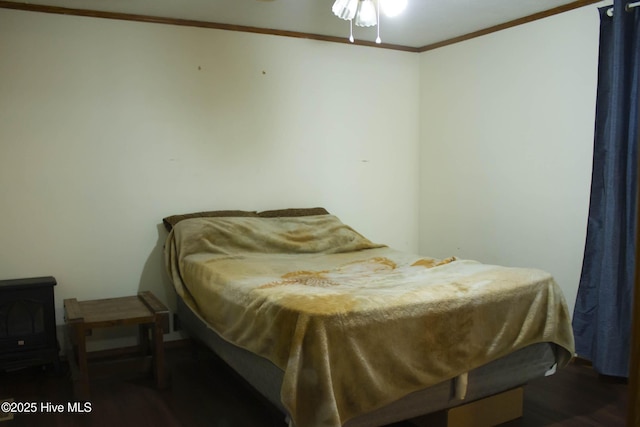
[79,358]
[159,370]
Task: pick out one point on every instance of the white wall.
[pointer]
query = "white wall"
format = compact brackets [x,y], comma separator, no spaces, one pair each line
[481,149]
[506,145]
[108,126]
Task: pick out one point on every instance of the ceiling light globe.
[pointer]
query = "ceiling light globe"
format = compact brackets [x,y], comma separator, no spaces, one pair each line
[366,15]
[345,9]
[393,8]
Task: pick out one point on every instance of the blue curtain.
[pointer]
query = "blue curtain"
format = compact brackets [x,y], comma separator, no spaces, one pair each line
[603,311]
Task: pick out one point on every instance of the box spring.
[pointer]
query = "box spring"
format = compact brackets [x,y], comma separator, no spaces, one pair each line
[497,376]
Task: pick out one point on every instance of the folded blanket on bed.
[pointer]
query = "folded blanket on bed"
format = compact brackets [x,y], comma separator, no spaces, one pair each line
[352,324]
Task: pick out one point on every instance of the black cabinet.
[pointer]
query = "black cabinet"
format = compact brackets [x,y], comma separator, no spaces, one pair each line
[27,323]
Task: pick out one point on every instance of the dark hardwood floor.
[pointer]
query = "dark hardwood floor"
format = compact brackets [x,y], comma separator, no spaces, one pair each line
[575,396]
[205,393]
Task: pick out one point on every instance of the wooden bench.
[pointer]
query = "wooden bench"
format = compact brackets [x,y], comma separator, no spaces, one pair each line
[144,310]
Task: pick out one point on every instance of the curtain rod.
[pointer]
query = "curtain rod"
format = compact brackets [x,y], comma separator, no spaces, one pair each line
[627,7]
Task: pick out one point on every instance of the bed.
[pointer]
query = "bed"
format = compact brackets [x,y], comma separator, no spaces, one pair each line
[336,330]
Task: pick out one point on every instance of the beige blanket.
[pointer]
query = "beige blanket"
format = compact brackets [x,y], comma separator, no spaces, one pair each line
[352,324]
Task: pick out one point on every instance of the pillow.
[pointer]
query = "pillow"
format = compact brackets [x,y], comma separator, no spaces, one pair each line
[171,221]
[293,212]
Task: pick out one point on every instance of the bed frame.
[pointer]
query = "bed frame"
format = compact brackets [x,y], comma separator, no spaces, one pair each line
[493,379]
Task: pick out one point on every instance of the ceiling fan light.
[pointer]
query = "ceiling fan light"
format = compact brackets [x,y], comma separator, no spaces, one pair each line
[393,8]
[345,9]
[366,15]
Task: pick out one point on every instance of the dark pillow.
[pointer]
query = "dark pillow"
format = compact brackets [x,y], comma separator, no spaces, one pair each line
[171,221]
[293,212]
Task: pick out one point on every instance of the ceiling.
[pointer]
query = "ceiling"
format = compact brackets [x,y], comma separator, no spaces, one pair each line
[423,23]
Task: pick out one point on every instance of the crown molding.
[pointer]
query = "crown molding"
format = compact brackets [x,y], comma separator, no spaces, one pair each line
[30,7]
[516,22]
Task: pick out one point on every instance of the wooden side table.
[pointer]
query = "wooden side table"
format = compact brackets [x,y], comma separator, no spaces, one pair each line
[144,310]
